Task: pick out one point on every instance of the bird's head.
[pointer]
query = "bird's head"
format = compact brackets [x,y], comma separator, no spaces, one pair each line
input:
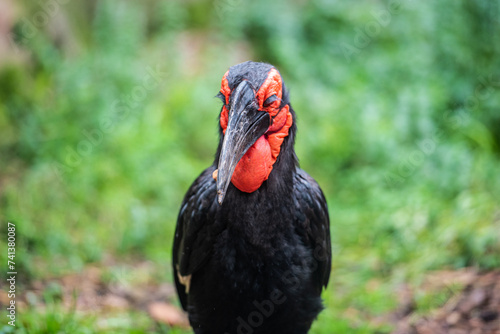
[255,119]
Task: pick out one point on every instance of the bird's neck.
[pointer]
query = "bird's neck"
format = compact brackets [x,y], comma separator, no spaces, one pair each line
[256,219]
[278,186]
[256,165]
[269,164]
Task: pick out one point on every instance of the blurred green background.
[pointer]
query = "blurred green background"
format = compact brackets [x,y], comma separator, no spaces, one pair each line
[107,114]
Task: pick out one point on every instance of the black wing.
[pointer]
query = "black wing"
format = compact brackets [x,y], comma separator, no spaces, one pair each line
[192,242]
[312,217]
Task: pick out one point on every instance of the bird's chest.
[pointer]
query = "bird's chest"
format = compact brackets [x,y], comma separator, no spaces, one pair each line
[260,242]
[257,259]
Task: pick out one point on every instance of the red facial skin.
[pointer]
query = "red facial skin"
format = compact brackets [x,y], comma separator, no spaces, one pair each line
[256,165]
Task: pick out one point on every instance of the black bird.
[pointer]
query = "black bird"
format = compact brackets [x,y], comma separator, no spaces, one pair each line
[252,247]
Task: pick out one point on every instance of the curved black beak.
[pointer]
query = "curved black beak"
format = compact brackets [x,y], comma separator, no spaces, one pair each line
[246,125]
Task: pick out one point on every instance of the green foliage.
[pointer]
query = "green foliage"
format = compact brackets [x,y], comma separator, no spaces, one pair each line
[398,121]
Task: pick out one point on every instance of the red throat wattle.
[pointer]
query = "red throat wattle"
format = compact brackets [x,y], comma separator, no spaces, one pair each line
[257,163]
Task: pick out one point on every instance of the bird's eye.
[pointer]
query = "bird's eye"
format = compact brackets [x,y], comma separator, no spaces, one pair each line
[221,97]
[270,100]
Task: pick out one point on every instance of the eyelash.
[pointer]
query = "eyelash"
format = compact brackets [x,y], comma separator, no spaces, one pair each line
[270,100]
[221,97]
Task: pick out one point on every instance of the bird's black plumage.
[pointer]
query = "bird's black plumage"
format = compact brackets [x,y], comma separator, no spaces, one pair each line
[259,261]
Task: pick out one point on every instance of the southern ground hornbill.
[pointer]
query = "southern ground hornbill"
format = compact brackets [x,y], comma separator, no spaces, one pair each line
[252,244]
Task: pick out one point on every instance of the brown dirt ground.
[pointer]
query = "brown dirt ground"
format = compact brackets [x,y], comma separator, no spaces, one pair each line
[90,292]
[468,301]
[473,306]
